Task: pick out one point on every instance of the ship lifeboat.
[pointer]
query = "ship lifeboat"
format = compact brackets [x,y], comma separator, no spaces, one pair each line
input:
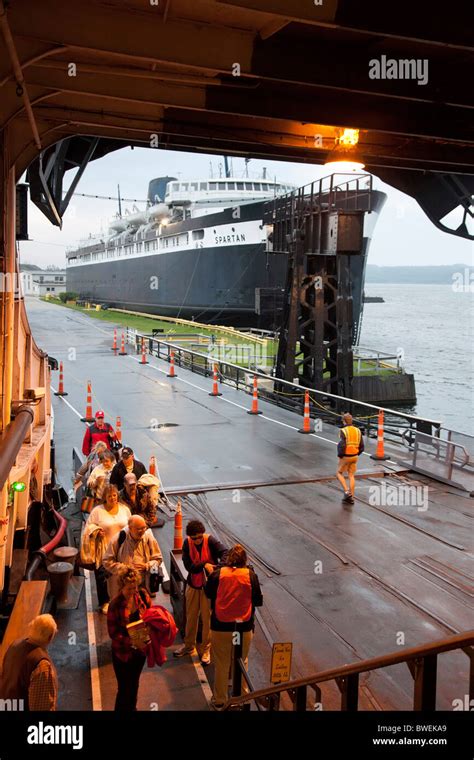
[158,211]
[117,225]
[136,218]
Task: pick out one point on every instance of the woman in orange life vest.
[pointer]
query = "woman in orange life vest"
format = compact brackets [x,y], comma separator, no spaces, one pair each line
[350,446]
[201,555]
[234,592]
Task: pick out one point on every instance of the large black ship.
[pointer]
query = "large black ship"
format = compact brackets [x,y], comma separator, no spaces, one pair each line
[200,251]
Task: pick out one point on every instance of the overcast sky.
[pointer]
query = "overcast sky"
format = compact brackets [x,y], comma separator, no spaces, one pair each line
[404,234]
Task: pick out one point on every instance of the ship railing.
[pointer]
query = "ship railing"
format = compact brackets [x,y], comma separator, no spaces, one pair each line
[326,408]
[352,192]
[306,694]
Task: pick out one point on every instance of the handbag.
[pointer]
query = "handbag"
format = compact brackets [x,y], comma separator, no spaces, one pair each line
[85,559]
[114,444]
[156,579]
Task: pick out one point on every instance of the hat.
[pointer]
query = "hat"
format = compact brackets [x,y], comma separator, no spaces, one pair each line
[148,480]
[130,478]
[100,414]
[127,452]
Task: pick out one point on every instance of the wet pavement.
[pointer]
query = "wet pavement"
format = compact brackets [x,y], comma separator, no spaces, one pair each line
[342,583]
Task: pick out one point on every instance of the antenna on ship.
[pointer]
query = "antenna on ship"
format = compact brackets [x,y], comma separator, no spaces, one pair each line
[247,161]
[119,201]
[226,166]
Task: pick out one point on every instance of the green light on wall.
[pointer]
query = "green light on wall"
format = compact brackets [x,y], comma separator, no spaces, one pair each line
[18,486]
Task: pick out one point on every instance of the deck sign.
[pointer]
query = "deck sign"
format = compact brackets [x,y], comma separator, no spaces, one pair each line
[281,662]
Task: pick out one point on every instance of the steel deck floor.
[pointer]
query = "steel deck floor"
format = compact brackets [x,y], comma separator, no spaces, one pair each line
[389,576]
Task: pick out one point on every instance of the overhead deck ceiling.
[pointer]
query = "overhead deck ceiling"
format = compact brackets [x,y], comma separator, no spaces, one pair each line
[166,68]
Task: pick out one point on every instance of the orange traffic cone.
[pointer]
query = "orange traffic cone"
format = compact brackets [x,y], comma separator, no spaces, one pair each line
[118,429]
[152,466]
[144,359]
[306,420]
[254,409]
[380,452]
[172,372]
[89,417]
[178,529]
[122,351]
[215,389]
[60,391]
[114,347]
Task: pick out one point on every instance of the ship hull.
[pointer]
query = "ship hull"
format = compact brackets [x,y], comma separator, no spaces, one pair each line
[208,285]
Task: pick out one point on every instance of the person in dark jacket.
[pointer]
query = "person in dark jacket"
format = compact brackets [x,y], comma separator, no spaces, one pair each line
[98,431]
[128,463]
[201,555]
[29,675]
[349,448]
[234,593]
[128,494]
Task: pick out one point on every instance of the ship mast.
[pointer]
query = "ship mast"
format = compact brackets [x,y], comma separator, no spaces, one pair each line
[119,201]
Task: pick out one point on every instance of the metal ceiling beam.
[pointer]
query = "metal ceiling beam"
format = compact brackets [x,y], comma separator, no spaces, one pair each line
[261,138]
[414,22]
[46,175]
[21,89]
[282,132]
[270,101]
[296,60]
[133,33]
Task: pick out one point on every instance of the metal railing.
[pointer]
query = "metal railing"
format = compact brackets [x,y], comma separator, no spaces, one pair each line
[422,662]
[326,407]
[378,360]
[443,458]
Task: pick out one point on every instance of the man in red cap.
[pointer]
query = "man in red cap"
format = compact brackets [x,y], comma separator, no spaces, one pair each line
[98,431]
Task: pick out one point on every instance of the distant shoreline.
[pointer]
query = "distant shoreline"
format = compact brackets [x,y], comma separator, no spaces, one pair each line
[419,275]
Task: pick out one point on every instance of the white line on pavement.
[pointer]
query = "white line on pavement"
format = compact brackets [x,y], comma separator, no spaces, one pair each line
[68,404]
[95,672]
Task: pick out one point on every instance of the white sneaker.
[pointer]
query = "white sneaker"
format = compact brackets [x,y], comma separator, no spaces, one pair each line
[206,658]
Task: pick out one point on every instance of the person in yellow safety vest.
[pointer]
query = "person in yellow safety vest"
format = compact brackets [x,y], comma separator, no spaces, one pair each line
[234,592]
[349,447]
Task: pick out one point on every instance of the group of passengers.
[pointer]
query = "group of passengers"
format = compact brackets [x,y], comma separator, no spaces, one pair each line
[222,591]
[119,494]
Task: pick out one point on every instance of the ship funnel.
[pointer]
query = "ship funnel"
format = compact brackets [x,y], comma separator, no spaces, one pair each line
[157,189]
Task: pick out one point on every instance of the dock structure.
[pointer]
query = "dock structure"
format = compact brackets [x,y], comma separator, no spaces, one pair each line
[342,583]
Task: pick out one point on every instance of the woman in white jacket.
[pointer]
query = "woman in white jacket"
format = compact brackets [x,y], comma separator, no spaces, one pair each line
[104,522]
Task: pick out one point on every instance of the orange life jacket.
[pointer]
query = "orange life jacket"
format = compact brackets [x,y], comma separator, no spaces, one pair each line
[199,579]
[352,436]
[234,595]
